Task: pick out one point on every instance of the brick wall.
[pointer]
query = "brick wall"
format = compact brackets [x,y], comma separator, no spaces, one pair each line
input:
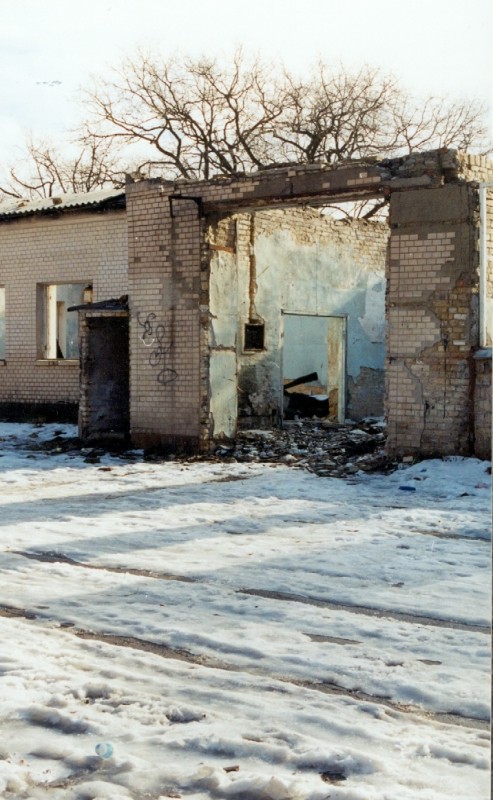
[475,168]
[432,293]
[489,269]
[479,169]
[482,404]
[166,375]
[69,248]
[432,320]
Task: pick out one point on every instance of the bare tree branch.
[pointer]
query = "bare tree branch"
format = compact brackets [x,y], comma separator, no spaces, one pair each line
[45,173]
[196,118]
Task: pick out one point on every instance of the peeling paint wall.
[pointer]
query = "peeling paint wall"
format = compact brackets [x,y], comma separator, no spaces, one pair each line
[298,261]
[223,329]
[310,264]
[434,331]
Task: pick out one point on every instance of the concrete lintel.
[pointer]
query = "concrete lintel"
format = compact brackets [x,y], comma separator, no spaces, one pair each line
[319,198]
[447,205]
[411,183]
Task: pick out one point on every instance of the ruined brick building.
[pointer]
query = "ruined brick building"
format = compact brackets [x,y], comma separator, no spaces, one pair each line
[237,286]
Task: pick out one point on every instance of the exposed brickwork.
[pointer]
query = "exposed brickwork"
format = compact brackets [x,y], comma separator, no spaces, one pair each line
[165,342]
[432,280]
[433,321]
[482,405]
[69,248]
[474,168]
[323,266]
[488,268]
[432,294]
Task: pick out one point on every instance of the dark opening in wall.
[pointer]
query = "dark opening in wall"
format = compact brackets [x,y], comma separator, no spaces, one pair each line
[254,336]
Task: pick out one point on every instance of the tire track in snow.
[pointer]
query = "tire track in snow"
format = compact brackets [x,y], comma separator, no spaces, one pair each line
[179,654]
[334,605]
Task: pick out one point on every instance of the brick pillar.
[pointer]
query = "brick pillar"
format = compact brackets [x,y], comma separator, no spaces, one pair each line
[165,343]
[432,320]
[482,404]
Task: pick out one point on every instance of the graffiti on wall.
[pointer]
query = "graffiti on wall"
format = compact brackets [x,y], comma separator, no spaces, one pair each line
[154,336]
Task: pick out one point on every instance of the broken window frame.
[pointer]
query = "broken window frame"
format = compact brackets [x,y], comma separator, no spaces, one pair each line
[57,332]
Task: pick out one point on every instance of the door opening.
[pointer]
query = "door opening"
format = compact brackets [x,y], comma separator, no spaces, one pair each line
[314,366]
[105,379]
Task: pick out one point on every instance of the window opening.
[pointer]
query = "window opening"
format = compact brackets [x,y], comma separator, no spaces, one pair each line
[254,336]
[58,335]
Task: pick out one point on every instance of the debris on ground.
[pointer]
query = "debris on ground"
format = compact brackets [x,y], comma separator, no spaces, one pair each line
[322,447]
[325,448]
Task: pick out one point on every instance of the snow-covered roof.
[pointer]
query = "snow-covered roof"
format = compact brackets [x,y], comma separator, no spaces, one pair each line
[20,207]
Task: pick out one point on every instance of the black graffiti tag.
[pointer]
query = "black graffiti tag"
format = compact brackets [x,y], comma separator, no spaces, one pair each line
[155,336]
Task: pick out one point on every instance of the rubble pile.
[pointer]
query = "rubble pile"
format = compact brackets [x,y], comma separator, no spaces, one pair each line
[319,446]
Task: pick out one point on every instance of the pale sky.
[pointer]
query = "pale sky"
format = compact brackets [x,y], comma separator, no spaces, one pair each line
[48,50]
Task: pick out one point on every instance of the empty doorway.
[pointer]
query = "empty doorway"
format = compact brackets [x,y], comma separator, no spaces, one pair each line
[105,379]
[313,362]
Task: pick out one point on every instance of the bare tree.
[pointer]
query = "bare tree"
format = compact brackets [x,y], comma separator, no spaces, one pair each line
[44,172]
[336,116]
[199,118]
[202,118]
[196,118]
[438,122]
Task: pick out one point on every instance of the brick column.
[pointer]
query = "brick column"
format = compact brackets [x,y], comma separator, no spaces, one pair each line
[165,343]
[432,320]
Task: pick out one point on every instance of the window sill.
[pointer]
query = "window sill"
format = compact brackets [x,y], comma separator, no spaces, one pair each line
[50,362]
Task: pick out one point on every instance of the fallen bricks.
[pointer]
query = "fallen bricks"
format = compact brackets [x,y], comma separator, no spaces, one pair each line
[318,446]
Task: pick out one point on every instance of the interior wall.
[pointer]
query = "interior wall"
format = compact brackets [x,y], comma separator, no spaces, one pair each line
[299,260]
[223,330]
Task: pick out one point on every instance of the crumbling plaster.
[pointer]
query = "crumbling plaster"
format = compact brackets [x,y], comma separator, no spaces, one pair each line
[430,392]
[294,261]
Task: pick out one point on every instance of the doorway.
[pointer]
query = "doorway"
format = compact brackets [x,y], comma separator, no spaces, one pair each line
[313,369]
[105,378]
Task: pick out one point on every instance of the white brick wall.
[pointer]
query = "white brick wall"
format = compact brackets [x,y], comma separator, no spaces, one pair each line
[69,248]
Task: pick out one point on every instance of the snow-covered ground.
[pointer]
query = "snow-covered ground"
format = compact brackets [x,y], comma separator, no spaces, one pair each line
[241,631]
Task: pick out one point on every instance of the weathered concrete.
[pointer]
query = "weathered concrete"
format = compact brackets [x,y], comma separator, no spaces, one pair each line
[272,264]
[482,404]
[432,297]
[205,258]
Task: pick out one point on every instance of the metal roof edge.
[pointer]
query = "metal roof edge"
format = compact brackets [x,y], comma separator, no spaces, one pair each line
[104,198]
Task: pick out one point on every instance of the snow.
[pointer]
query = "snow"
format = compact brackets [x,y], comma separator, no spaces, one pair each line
[242,631]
